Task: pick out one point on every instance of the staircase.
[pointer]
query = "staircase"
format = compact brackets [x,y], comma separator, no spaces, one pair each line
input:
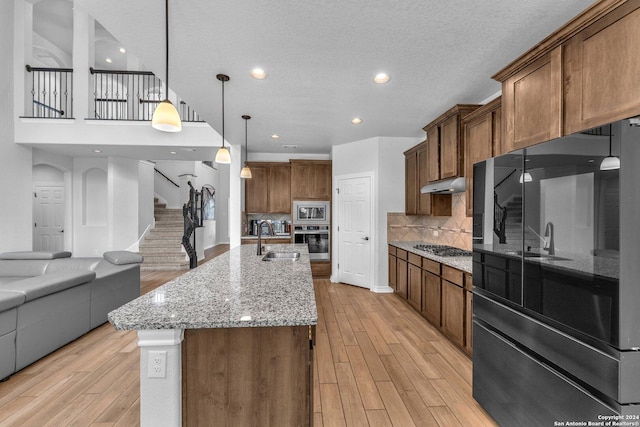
[162,247]
[513,229]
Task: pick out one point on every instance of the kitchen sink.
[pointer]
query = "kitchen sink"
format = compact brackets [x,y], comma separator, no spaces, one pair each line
[281,256]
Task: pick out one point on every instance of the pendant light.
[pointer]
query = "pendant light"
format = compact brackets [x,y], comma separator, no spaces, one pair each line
[223,156]
[245,172]
[611,162]
[165,116]
[525,177]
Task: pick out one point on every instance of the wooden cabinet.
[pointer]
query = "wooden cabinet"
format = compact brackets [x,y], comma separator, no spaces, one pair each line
[392,271]
[482,131]
[402,273]
[453,312]
[431,301]
[445,141]
[601,65]
[411,189]
[532,103]
[310,179]
[416,176]
[468,333]
[269,189]
[414,281]
[582,76]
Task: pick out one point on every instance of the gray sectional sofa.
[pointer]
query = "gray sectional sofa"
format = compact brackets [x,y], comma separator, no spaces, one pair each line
[48,299]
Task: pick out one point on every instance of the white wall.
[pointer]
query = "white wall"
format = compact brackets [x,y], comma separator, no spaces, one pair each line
[384,157]
[16,228]
[88,239]
[46,173]
[145,195]
[122,178]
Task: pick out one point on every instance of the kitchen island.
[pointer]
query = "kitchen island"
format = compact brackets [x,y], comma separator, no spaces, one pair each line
[229,340]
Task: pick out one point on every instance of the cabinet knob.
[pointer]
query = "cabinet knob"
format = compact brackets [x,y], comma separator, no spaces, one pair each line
[365,238]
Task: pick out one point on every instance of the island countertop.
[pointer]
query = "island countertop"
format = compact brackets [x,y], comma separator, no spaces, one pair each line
[234,290]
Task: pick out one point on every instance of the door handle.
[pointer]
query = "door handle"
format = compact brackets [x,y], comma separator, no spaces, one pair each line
[365,238]
[62,231]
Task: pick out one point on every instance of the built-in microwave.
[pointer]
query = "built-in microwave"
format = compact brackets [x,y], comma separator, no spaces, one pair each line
[313,212]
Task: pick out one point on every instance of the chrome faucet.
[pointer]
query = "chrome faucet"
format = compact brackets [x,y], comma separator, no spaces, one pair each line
[259,252]
[549,245]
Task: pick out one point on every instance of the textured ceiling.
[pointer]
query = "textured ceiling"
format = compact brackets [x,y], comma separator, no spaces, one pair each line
[321,57]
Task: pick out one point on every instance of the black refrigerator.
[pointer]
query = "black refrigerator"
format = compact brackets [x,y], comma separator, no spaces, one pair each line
[556,275]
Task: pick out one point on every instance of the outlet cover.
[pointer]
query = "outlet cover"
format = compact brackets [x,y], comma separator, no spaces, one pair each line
[157,366]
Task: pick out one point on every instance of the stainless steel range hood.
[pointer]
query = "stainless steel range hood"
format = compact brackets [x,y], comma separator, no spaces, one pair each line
[454,185]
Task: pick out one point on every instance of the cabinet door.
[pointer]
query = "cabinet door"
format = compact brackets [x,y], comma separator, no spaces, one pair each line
[449,156]
[410,183]
[433,153]
[401,278]
[322,180]
[415,287]
[431,297]
[601,66]
[532,103]
[424,200]
[280,189]
[310,180]
[453,312]
[392,272]
[257,190]
[478,141]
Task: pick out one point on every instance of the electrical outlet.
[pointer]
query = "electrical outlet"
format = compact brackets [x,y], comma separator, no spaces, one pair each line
[157,366]
[435,233]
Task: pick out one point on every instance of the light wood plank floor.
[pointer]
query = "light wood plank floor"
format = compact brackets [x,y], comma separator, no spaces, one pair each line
[378,363]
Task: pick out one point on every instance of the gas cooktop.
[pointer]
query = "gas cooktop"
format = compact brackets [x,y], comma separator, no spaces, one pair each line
[442,250]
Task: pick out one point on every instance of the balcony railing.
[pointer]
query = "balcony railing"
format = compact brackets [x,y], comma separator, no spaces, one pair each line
[51,92]
[117,95]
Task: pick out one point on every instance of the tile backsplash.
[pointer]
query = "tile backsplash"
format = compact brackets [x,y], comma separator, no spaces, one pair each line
[454,230]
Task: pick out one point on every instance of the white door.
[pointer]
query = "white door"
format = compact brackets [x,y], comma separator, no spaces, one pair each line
[354,231]
[48,218]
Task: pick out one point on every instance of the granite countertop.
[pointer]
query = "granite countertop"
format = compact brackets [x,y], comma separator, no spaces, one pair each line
[277,236]
[235,289]
[463,263]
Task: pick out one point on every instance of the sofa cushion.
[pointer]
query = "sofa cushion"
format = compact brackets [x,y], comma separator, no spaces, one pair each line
[23,268]
[36,287]
[10,299]
[72,264]
[122,257]
[35,255]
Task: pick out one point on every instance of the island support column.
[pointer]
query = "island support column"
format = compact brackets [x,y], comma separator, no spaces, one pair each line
[161,393]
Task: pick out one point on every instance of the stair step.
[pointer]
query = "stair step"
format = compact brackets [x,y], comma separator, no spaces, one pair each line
[164,259]
[167,243]
[165,267]
[169,249]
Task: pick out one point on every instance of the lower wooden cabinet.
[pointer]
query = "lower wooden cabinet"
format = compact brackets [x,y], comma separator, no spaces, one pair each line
[432,294]
[414,296]
[321,268]
[453,312]
[468,332]
[392,271]
[401,278]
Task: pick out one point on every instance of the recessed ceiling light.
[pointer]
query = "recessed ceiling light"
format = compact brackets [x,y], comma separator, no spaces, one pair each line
[108,60]
[97,151]
[356,120]
[259,74]
[381,78]
[123,50]
[274,136]
[173,152]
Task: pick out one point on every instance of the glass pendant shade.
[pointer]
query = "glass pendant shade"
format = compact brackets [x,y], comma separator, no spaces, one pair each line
[166,117]
[610,163]
[223,156]
[245,172]
[525,177]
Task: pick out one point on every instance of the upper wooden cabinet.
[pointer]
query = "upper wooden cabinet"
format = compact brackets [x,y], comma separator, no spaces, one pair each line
[269,189]
[445,143]
[416,162]
[482,130]
[583,75]
[601,65]
[310,179]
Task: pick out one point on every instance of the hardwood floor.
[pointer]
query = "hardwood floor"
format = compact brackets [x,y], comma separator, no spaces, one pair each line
[378,363]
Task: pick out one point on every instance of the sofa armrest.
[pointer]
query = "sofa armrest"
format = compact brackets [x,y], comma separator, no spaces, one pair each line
[36,287]
[35,255]
[123,257]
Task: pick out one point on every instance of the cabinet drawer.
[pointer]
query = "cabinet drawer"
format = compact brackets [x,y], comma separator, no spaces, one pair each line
[392,250]
[402,254]
[453,275]
[415,259]
[431,266]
